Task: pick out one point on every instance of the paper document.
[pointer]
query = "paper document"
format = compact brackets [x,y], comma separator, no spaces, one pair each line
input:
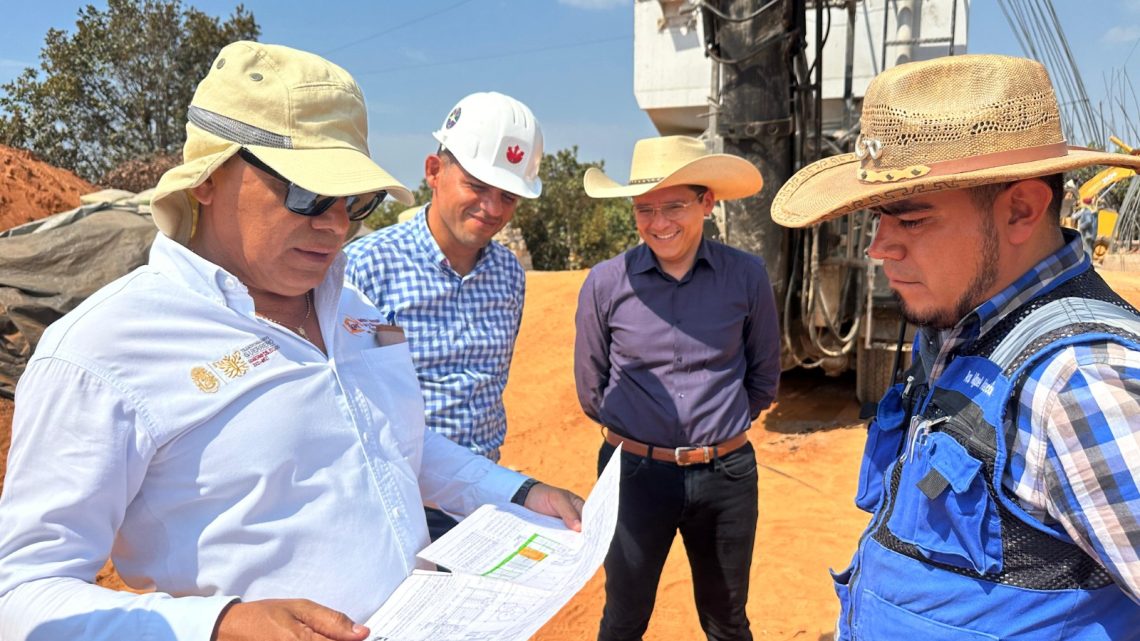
[511,571]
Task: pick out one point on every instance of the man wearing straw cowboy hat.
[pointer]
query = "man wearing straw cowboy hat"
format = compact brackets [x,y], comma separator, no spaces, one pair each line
[437,272]
[1002,470]
[677,351]
[236,428]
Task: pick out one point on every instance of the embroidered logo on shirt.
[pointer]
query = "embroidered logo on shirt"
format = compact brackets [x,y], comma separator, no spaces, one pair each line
[259,351]
[210,377]
[205,379]
[358,326]
[976,380]
[232,366]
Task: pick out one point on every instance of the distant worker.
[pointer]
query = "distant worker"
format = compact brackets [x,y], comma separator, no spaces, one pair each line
[677,351]
[1070,200]
[230,423]
[457,293]
[1003,472]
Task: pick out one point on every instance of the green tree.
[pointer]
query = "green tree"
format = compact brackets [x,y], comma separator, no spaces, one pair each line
[117,88]
[390,209]
[565,228]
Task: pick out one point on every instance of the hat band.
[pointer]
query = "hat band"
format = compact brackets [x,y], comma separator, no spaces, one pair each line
[642,181]
[964,165]
[236,130]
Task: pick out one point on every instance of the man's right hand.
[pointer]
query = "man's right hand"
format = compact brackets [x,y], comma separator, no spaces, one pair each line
[285,620]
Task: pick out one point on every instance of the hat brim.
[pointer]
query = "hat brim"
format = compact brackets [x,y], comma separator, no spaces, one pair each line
[829,188]
[729,177]
[329,172]
[332,172]
[171,206]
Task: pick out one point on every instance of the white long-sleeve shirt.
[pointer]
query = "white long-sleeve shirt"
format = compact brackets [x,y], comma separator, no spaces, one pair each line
[215,455]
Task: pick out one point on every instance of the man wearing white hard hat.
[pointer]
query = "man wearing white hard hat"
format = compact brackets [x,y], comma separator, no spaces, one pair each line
[677,350]
[230,423]
[442,279]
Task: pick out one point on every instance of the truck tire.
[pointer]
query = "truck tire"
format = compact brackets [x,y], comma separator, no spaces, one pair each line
[873,369]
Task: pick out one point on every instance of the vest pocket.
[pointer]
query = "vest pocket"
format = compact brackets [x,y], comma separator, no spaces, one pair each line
[943,506]
[842,583]
[884,437]
[880,619]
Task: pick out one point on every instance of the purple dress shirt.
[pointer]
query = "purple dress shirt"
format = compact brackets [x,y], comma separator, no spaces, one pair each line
[677,363]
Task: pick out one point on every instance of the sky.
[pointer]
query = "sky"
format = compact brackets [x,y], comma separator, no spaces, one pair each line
[571,61]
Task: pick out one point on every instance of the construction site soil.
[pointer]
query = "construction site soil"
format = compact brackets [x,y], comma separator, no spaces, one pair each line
[31,189]
[808,445]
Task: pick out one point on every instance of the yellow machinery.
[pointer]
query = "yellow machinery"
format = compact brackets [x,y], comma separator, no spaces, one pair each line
[1087,209]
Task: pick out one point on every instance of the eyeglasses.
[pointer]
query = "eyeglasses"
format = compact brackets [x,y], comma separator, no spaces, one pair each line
[304,202]
[673,211]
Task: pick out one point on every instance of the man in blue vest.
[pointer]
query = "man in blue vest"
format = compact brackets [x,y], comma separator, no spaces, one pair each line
[1002,470]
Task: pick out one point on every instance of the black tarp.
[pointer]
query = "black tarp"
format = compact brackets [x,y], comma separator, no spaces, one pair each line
[50,266]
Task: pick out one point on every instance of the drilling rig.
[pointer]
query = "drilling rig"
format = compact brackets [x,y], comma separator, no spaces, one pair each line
[780,83]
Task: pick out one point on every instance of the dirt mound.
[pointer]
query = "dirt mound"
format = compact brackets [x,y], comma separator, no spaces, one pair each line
[31,189]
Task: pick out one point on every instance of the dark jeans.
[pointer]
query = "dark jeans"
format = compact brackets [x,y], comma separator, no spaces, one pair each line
[714,505]
[439,523]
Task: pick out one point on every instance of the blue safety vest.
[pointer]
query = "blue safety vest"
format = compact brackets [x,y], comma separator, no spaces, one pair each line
[949,554]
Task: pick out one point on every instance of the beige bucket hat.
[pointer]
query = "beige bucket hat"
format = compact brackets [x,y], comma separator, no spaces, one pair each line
[936,125]
[297,112]
[678,160]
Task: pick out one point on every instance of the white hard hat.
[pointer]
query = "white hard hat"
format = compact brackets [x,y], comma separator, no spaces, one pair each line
[496,139]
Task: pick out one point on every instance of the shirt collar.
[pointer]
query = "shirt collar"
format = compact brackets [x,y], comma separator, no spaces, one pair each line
[200,275]
[1056,268]
[426,243]
[1053,270]
[643,259]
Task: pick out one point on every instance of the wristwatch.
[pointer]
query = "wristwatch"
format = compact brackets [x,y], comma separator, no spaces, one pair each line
[520,494]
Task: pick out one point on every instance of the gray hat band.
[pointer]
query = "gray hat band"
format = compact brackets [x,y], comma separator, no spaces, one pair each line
[236,130]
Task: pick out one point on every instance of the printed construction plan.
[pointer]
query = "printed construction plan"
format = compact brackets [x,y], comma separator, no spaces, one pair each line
[511,571]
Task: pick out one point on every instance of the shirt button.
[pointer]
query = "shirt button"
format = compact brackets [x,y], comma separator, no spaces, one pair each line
[680,396]
[230,283]
[364,437]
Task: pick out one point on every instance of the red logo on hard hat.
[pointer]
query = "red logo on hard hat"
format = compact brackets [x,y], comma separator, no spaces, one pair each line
[515,155]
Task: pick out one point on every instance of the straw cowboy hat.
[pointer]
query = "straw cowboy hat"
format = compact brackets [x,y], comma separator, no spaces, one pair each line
[936,125]
[298,113]
[678,160]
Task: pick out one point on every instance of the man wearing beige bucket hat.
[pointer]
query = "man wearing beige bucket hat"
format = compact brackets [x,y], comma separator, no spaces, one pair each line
[439,271]
[237,428]
[677,350]
[1003,470]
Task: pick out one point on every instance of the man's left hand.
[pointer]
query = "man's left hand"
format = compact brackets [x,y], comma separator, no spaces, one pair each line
[555,501]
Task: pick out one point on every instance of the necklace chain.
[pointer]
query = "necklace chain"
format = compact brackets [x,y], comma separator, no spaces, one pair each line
[299,329]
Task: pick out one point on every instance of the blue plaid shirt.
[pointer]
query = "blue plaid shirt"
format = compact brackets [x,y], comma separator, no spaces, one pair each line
[461,329]
[1075,461]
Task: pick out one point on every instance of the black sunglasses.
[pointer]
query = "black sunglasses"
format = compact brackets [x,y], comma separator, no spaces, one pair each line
[302,201]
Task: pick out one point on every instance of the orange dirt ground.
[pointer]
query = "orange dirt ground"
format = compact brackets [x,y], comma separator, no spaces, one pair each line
[808,446]
[31,189]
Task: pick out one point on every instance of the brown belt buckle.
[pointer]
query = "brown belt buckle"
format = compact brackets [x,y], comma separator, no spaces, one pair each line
[678,452]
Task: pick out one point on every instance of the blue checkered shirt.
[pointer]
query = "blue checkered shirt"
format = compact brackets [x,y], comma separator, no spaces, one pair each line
[461,329]
[1075,460]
